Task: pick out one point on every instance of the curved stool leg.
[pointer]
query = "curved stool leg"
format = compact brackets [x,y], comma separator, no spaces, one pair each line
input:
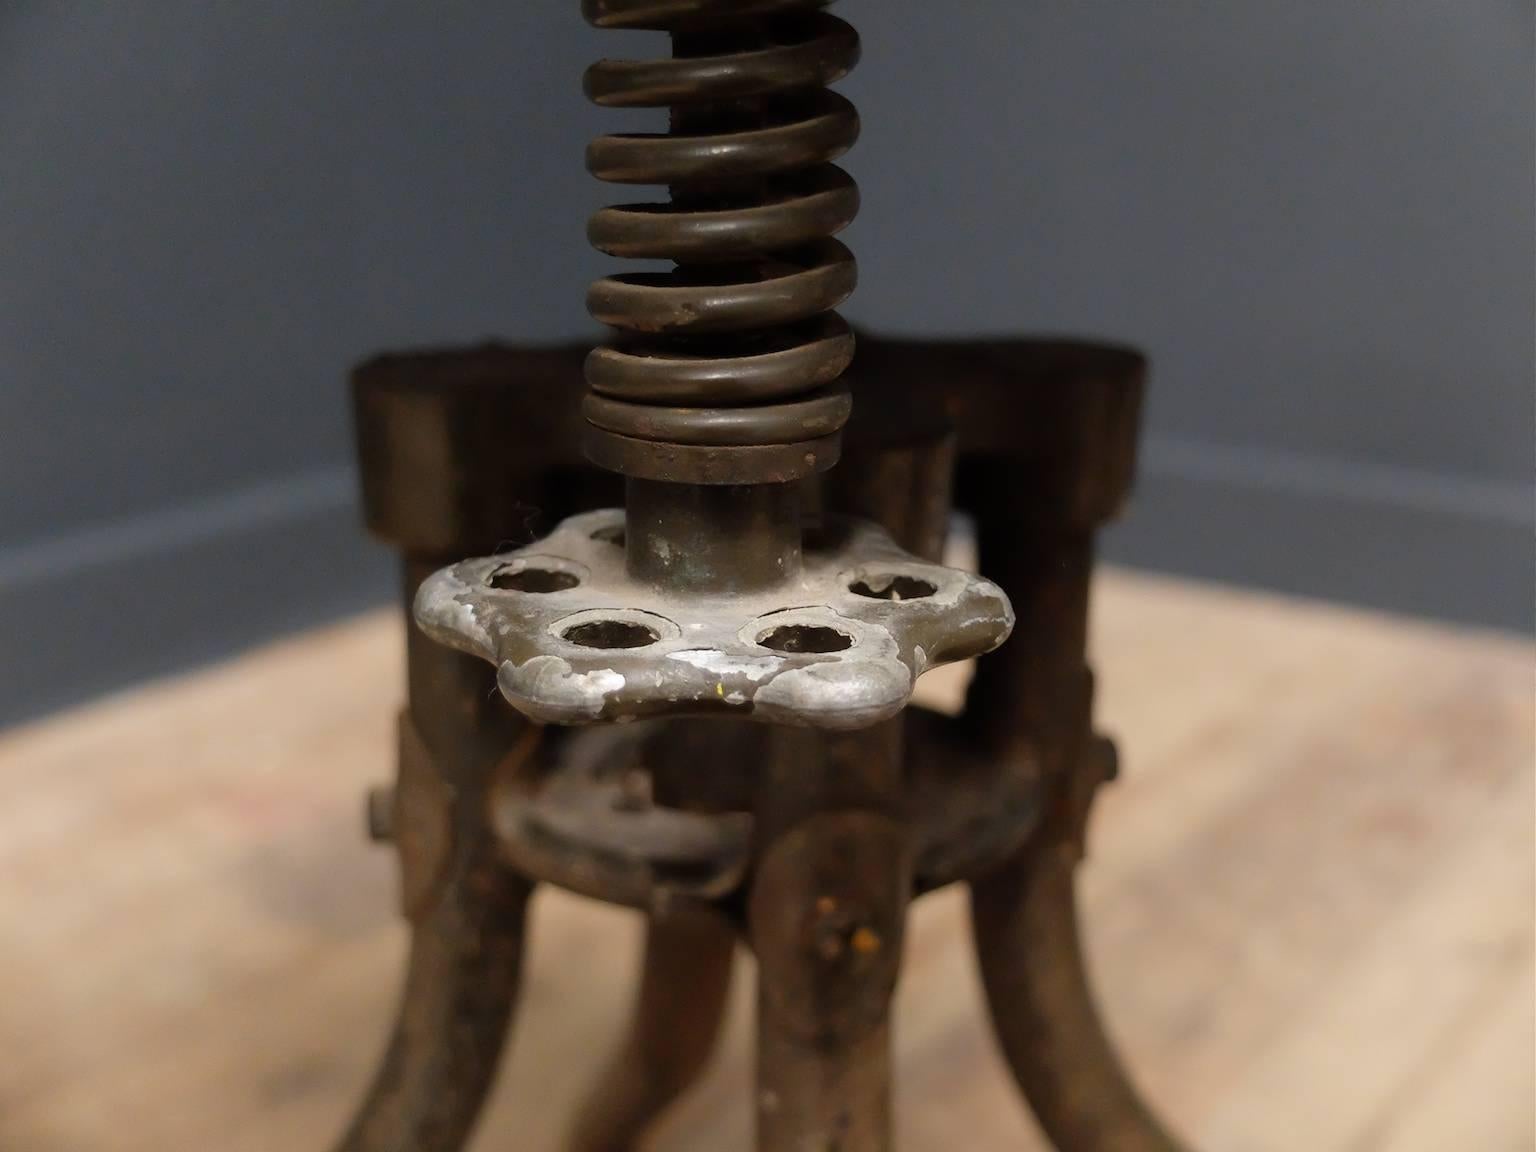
[466,908]
[683,990]
[454,1014]
[1025,920]
[438,486]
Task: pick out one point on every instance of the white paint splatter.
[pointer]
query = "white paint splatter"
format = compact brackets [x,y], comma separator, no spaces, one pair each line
[712,660]
[546,688]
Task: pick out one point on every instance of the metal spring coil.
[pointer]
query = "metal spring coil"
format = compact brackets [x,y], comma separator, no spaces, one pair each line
[737,344]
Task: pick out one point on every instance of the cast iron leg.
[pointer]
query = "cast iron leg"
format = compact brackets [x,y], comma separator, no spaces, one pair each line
[1032,704]
[682,1001]
[1026,925]
[826,913]
[453,1018]
[466,908]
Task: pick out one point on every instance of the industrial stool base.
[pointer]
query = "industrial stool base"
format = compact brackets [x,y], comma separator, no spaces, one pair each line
[807,845]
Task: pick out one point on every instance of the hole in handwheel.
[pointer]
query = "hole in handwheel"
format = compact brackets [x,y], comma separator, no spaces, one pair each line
[611,634]
[610,534]
[533,580]
[886,587]
[805,638]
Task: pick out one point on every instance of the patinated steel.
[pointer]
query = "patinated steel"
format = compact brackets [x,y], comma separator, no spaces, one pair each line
[465,910]
[685,980]
[744,578]
[726,372]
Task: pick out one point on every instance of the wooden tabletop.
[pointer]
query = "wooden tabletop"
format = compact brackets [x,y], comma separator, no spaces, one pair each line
[1310,905]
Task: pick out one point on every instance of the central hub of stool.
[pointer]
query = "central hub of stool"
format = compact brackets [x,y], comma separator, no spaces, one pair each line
[837,644]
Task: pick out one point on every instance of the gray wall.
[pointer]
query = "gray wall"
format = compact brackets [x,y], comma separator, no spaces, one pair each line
[1317,217]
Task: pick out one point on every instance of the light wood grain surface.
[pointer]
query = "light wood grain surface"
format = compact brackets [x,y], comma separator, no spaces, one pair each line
[1310,904]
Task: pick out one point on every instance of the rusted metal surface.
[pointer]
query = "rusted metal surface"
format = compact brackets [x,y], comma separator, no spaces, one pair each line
[420,427]
[439,474]
[970,811]
[727,367]
[1036,699]
[1029,945]
[825,916]
[684,984]
[465,910]
[807,842]
[590,824]
[742,579]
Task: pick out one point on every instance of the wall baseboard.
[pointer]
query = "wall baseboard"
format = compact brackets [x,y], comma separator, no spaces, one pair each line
[1388,539]
[104,608]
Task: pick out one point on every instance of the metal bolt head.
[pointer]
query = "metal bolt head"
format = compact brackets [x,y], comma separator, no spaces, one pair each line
[380,813]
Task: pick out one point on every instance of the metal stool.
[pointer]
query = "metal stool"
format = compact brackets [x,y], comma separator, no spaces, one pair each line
[744,579]
[488,803]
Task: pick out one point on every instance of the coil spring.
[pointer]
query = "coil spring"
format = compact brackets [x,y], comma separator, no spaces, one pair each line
[738,344]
